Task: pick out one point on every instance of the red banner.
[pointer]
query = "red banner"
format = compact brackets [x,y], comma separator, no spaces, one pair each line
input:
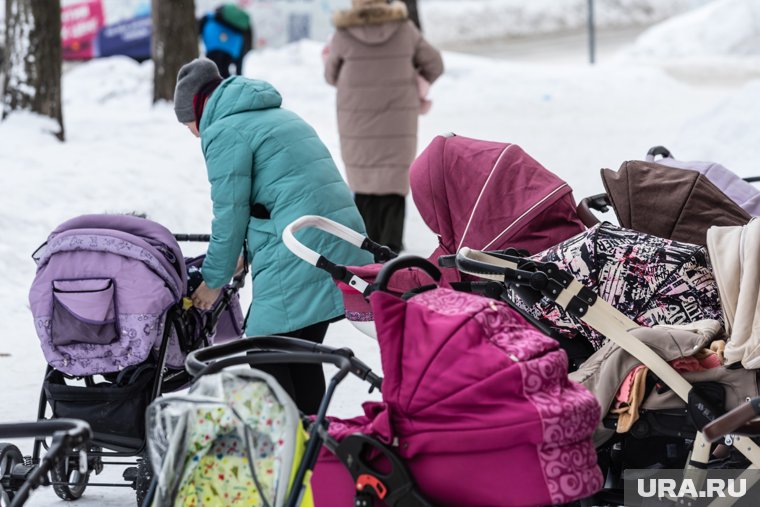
[80,23]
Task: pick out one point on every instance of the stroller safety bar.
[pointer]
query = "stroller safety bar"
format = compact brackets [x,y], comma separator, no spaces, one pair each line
[340,273]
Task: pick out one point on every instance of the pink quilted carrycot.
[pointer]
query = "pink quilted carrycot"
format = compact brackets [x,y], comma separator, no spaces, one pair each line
[478,405]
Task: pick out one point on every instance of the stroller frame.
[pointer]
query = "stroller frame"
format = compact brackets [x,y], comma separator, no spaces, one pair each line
[137,477]
[22,477]
[580,301]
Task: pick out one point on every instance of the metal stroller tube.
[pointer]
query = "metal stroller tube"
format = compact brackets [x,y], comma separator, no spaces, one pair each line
[735,421]
[198,360]
[74,428]
[66,433]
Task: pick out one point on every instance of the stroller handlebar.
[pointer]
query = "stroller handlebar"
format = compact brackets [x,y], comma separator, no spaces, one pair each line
[285,350]
[323,224]
[735,421]
[46,428]
[193,238]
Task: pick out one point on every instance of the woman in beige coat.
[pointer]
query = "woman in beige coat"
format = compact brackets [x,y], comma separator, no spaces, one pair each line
[374,60]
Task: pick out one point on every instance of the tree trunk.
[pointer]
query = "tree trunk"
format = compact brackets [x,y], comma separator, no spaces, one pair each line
[32,64]
[414,15]
[174,43]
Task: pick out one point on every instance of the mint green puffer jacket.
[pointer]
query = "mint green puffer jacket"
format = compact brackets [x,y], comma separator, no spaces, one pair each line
[257,152]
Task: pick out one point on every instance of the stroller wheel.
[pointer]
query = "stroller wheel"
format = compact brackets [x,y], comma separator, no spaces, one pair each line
[10,456]
[68,482]
[143,479]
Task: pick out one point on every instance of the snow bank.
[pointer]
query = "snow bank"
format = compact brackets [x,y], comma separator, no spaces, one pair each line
[449,21]
[719,29]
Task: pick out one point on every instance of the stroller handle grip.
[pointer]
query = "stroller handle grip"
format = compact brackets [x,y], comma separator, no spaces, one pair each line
[658,150]
[735,421]
[197,238]
[46,428]
[409,261]
[323,224]
[598,202]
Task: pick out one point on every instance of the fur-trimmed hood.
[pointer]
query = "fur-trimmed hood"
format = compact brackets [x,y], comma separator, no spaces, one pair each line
[370,12]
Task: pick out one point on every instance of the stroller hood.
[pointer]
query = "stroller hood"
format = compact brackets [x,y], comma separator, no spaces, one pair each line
[671,203]
[489,195]
[473,392]
[103,286]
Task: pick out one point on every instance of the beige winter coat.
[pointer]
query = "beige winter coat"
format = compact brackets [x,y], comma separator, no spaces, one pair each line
[373,60]
[735,257]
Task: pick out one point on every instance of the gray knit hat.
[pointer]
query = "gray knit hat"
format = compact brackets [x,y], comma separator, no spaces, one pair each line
[190,79]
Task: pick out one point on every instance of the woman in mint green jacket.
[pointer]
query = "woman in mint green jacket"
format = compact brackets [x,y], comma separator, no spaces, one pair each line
[267,167]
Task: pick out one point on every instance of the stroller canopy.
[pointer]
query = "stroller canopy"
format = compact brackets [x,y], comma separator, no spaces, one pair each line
[474,394]
[489,195]
[671,203]
[103,286]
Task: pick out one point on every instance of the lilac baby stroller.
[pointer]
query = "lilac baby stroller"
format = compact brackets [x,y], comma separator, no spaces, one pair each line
[115,325]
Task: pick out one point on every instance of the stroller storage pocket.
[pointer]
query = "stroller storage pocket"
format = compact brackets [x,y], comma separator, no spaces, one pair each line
[113,409]
[84,311]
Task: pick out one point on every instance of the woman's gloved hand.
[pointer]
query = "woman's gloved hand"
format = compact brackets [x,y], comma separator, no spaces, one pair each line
[205,297]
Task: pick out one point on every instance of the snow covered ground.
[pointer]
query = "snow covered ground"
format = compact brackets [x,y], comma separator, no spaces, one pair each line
[123,154]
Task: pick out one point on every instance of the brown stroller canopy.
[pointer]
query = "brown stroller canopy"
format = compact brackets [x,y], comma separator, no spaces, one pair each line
[671,203]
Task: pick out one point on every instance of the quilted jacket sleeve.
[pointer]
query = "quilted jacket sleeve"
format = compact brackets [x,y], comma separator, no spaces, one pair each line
[334,59]
[428,60]
[229,162]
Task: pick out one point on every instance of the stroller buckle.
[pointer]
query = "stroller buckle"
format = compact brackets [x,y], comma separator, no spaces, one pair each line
[365,481]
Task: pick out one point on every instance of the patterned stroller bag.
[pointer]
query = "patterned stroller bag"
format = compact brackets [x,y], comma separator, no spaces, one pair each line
[649,279]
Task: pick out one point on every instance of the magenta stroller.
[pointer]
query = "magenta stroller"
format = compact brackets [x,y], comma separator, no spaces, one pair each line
[110,309]
[476,404]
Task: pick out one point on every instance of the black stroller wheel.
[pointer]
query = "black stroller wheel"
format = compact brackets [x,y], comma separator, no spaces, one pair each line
[10,456]
[68,482]
[143,479]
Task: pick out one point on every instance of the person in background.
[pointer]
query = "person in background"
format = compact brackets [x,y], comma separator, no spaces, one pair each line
[267,167]
[375,59]
[227,36]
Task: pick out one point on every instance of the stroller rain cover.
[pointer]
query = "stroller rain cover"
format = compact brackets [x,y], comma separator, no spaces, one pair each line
[234,439]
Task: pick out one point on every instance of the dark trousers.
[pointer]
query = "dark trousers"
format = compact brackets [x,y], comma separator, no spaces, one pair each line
[305,383]
[384,218]
[223,60]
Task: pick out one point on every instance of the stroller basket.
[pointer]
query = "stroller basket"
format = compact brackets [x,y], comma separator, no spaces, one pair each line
[114,410]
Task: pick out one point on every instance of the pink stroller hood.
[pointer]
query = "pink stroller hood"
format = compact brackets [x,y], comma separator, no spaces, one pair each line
[489,195]
[479,405]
